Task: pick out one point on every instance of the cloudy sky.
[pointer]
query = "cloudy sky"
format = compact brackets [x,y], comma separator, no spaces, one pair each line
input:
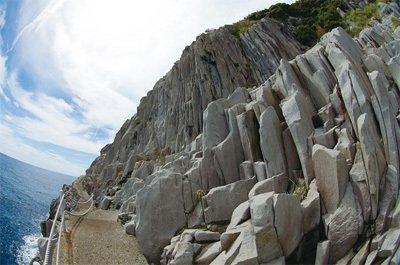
[72,71]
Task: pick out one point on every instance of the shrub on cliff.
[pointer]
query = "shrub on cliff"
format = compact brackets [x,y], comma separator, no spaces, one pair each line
[358,19]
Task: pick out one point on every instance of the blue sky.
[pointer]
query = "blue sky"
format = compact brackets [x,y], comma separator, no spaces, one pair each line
[72,71]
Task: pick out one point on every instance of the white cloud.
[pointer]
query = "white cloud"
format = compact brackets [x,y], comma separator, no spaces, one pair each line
[92,60]
[52,122]
[14,147]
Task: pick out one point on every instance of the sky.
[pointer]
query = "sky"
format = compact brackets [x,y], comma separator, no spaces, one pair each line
[72,71]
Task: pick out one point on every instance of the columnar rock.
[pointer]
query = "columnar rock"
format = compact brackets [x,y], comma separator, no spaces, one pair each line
[344,226]
[229,153]
[289,229]
[373,156]
[220,202]
[299,121]
[331,175]
[358,177]
[276,184]
[271,142]
[249,136]
[386,116]
[160,214]
[262,218]
[311,209]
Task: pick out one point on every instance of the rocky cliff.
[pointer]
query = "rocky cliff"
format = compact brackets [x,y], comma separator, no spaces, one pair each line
[252,151]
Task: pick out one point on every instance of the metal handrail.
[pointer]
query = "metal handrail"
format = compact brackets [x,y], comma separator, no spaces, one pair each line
[50,238]
[61,205]
[84,213]
[59,237]
[78,202]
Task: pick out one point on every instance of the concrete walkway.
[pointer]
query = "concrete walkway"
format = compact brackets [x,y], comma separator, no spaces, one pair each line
[98,239]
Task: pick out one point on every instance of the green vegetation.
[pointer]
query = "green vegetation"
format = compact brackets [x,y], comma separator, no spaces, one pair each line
[242,26]
[199,194]
[308,19]
[358,19]
[396,22]
[300,189]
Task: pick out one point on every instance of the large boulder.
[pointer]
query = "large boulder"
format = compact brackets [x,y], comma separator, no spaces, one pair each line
[220,202]
[298,116]
[288,221]
[344,226]
[271,142]
[262,218]
[373,157]
[331,174]
[160,214]
[311,209]
[277,184]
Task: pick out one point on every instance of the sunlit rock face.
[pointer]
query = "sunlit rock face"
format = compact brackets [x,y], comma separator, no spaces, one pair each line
[289,155]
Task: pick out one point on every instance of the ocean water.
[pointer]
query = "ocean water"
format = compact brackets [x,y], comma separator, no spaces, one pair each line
[26,192]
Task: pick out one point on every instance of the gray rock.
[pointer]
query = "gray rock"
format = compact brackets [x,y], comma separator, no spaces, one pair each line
[185,253]
[249,136]
[260,170]
[292,160]
[262,219]
[206,236]
[229,153]
[240,214]
[390,244]
[346,259]
[126,217]
[301,127]
[271,142]
[128,191]
[394,68]
[345,144]
[322,256]
[220,202]
[311,209]
[42,246]
[246,170]
[288,216]
[373,157]
[130,228]
[247,254]
[386,116]
[361,256]
[344,226]
[196,217]
[105,203]
[277,184]
[358,176]
[371,257]
[331,174]
[160,214]
[208,253]
[278,261]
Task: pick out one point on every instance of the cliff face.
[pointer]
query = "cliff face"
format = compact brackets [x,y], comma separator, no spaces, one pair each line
[303,165]
[212,67]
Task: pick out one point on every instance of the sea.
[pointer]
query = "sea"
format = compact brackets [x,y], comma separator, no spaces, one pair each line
[26,192]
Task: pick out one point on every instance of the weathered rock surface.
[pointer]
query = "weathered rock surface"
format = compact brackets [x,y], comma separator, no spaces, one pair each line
[220,202]
[331,174]
[226,139]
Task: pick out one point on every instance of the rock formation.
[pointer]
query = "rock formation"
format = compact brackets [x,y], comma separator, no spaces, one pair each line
[301,166]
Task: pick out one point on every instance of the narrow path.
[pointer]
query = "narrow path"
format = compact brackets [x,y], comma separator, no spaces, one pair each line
[98,239]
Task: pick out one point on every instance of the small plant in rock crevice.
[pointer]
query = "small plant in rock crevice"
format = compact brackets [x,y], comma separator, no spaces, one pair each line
[300,189]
